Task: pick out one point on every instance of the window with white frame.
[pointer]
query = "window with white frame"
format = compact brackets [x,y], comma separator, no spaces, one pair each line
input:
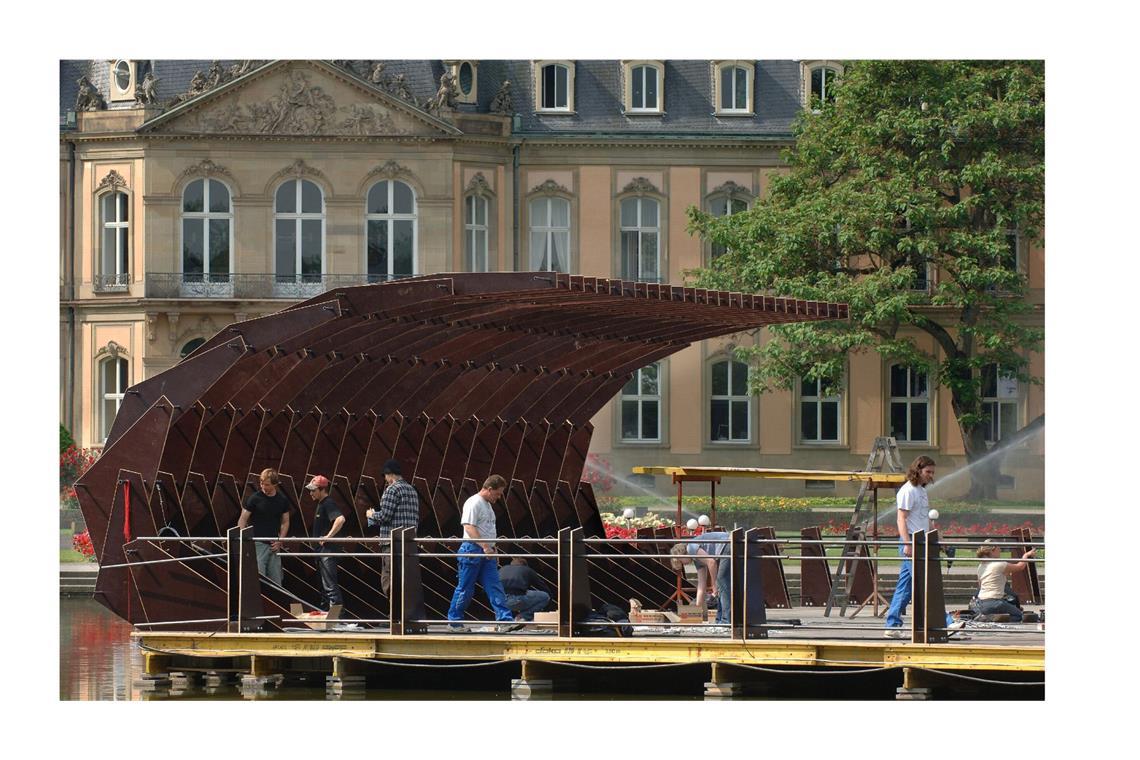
[819,80]
[207,232]
[725,205]
[555,85]
[392,234]
[299,239]
[550,234]
[114,378]
[475,233]
[730,405]
[733,86]
[640,239]
[909,404]
[644,87]
[1001,396]
[115,248]
[122,81]
[819,413]
[641,406]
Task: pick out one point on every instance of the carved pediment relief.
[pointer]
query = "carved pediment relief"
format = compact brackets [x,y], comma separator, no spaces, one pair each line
[298,98]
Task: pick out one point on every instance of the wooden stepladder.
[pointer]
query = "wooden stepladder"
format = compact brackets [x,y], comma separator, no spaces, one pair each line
[850,577]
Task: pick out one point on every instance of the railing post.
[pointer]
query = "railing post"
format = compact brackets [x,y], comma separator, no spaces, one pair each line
[243,586]
[747,615]
[929,621]
[407,590]
[573,582]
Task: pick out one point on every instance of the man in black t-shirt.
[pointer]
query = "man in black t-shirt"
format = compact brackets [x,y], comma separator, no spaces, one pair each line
[269,511]
[326,524]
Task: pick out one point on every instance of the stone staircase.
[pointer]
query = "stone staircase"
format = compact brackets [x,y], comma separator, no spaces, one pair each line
[76,579]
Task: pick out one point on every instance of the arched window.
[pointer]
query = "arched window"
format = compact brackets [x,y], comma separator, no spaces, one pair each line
[207,237]
[115,249]
[114,378]
[644,87]
[190,347]
[819,80]
[819,413]
[550,234]
[554,85]
[725,204]
[299,238]
[730,405]
[475,241]
[909,404]
[391,215]
[641,406]
[733,87]
[640,239]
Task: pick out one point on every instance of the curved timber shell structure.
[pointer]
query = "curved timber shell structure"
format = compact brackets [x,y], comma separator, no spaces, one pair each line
[457,376]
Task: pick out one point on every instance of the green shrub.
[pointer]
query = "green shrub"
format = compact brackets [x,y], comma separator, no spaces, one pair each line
[65,438]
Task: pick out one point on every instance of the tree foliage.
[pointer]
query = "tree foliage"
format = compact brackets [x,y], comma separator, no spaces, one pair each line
[915,167]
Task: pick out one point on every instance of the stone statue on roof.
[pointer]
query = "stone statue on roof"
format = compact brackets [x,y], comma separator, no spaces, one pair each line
[146,94]
[502,103]
[215,76]
[400,89]
[88,98]
[446,94]
[378,77]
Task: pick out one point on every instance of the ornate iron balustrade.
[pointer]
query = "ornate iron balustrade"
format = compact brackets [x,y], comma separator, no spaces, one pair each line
[111,283]
[251,285]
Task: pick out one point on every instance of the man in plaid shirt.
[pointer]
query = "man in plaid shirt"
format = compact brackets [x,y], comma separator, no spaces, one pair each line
[399,508]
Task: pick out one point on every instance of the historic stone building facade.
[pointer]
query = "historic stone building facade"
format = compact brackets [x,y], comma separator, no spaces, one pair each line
[196,194]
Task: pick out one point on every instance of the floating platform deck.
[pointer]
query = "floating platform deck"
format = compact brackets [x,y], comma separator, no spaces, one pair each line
[801,641]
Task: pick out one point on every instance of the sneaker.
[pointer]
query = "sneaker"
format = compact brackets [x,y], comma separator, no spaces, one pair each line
[895,633]
[487,629]
[957,630]
[512,627]
[456,628]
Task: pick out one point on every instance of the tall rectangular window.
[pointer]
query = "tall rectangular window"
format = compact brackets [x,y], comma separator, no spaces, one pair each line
[1001,394]
[909,404]
[730,404]
[640,233]
[550,235]
[641,406]
[475,233]
[643,89]
[555,87]
[819,414]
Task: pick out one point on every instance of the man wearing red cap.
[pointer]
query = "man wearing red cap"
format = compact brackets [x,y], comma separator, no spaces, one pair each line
[326,524]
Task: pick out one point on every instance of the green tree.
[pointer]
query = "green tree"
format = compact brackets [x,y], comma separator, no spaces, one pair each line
[906,198]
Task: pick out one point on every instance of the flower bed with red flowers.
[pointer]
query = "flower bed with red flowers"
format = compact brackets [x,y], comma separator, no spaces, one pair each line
[81,542]
[73,462]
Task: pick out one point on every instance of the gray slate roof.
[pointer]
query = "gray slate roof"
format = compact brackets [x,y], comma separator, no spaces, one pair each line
[689,107]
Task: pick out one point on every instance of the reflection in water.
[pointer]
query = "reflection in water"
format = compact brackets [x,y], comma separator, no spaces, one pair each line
[99,661]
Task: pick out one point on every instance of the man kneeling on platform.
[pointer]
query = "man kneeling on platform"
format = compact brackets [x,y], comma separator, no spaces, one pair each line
[526,591]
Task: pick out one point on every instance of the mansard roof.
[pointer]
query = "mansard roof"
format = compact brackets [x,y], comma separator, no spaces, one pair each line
[688,94]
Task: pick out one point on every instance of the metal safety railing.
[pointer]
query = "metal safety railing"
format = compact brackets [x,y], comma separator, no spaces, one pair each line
[573,557]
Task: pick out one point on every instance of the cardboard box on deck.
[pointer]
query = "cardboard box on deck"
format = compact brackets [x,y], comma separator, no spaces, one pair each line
[647,616]
[690,613]
[546,617]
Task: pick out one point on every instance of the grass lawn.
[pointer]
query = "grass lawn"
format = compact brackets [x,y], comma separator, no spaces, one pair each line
[70,555]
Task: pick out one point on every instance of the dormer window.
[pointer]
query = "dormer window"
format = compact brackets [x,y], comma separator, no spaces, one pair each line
[122,81]
[554,85]
[466,75]
[733,87]
[819,78]
[644,87]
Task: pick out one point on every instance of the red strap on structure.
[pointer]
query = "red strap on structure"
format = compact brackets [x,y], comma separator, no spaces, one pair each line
[127,511]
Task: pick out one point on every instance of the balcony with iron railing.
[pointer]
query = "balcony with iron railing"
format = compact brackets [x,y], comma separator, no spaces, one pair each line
[247,285]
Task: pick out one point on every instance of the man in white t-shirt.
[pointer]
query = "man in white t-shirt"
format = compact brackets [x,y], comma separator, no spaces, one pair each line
[479,533]
[913,515]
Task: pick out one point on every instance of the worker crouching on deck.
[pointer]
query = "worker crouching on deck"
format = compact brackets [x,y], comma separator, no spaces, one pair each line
[710,554]
[992,577]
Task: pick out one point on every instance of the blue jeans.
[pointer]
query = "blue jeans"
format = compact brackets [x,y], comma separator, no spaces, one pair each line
[996,607]
[723,591]
[485,572]
[901,597]
[529,603]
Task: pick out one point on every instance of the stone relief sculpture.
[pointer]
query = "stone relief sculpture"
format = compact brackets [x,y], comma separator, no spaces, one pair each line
[399,88]
[502,103]
[378,77]
[215,76]
[550,187]
[732,189]
[88,98]
[366,120]
[146,93]
[641,185]
[479,185]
